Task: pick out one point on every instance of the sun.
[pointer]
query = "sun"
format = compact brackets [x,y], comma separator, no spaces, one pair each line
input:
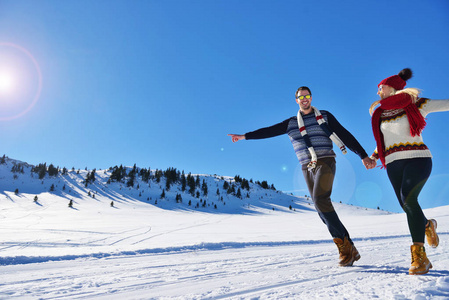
[20,81]
[6,82]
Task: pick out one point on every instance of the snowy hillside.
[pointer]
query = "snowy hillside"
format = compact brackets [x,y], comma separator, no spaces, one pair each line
[209,193]
[123,241]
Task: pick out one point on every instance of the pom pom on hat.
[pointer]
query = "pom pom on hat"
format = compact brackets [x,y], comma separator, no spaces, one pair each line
[405,74]
[398,82]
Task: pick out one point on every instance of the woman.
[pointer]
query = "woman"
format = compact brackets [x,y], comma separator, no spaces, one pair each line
[397,125]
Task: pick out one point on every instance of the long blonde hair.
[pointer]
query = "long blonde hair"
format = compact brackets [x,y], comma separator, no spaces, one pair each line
[413,92]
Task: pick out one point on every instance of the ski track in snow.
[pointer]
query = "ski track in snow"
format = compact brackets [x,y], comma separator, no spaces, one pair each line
[279,271]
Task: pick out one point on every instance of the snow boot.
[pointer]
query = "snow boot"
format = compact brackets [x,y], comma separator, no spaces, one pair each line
[420,262]
[348,252]
[431,233]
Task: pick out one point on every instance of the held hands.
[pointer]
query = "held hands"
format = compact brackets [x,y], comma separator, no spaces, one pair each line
[237,137]
[369,163]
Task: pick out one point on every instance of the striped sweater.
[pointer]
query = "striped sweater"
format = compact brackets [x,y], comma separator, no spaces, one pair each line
[321,143]
[395,128]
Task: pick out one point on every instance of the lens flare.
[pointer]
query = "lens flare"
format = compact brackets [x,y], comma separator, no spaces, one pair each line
[368,193]
[20,81]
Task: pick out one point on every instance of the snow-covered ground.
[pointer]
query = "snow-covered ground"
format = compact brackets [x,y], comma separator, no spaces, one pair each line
[232,248]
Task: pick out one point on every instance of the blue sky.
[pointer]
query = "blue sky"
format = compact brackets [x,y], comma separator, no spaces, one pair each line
[161,83]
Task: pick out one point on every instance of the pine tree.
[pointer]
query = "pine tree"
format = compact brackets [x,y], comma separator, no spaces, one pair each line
[178,198]
[172,176]
[157,175]
[17,168]
[245,184]
[167,183]
[204,188]
[90,177]
[132,177]
[117,174]
[145,174]
[52,171]
[183,181]
[263,184]
[191,184]
[41,169]
[239,193]
[237,178]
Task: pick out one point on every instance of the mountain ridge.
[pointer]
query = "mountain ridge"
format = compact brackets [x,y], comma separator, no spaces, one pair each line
[170,189]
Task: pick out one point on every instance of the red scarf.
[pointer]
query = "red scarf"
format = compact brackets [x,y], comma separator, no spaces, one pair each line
[415,119]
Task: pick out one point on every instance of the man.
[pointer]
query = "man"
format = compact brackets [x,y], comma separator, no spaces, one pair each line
[312,133]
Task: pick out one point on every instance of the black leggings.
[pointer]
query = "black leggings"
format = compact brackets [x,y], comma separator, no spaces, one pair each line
[408,177]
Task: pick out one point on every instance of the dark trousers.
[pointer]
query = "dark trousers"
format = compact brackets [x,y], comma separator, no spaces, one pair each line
[319,182]
[408,177]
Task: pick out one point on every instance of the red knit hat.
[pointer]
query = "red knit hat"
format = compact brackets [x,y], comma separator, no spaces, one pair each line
[397,82]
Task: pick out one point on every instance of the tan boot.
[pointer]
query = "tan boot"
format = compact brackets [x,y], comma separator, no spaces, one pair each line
[420,262]
[431,233]
[348,252]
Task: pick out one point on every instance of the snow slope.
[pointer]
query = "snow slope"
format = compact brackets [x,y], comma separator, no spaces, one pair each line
[246,248]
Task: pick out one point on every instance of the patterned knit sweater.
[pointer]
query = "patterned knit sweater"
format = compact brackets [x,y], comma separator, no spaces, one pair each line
[399,143]
[321,143]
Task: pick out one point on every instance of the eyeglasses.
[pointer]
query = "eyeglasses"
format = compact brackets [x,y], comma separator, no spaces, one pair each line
[302,97]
